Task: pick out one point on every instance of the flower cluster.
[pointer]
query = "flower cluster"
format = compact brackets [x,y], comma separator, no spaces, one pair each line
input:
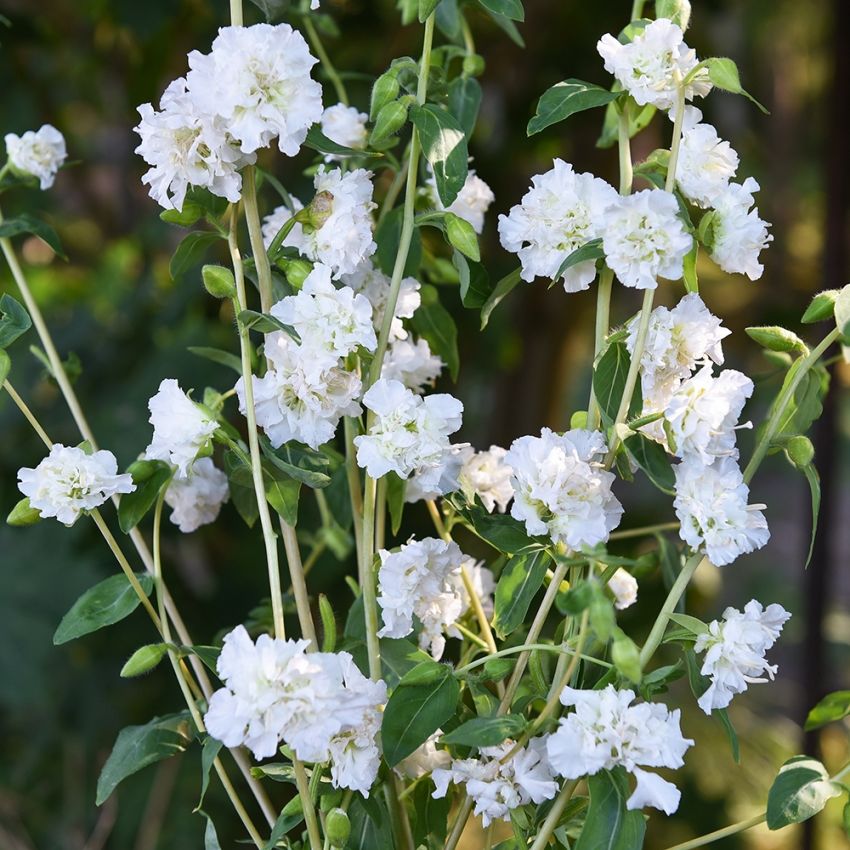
[346,126]
[197,499]
[486,475]
[37,153]
[319,704]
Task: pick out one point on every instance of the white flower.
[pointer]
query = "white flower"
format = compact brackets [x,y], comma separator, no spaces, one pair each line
[410,432]
[472,202]
[711,504]
[342,236]
[431,482]
[560,488]
[644,238]
[703,413]
[561,212]
[705,165]
[197,499]
[69,481]
[486,475]
[375,285]
[39,153]
[652,65]
[346,126]
[739,235]
[734,650]
[624,586]
[498,788]
[412,364]
[302,396]
[257,81]
[180,427]
[328,320]
[277,218]
[186,146]
[319,704]
[425,758]
[606,731]
[421,579]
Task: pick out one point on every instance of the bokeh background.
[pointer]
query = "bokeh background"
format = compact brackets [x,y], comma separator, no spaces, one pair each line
[84,65]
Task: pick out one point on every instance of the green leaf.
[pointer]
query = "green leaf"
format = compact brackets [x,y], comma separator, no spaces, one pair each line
[316,140]
[832,707]
[565,99]
[265,324]
[143,660]
[591,251]
[501,531]
[639,119]
[286,820]
[242,492]
[433,322]
[464,102]
[23,514]
[486,731]
[26,223]
[461,235]
[138,746]
[211,841]
[511,9]
[424,699]
[821,307]
[813,478]
[395,500]
[800,790]
[607,815]
[689,276]
[108,602]
[387,237]
[626,656]
[518,584]
[329,630]
[282,493]
[692,624]
[425,9]
[191,251]
[505,286]
[14,321]
[209,752]
[5,367]
[609,382]
[723,74]
[653,460]
[133,506]
[223,358]
[775,338]
[474,281]
[678,11]
[370,824]
[299,462]
[444,146]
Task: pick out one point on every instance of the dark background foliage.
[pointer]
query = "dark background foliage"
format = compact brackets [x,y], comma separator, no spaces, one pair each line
[84,65]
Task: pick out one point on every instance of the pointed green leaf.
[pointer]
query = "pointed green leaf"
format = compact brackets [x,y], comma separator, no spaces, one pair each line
[26,223]
[433,322]
[500,291]
[486,731]
[832,707]
[801,789]
[518,584]
[565,99]
[14,320]
[511,9]
[723,74]
[444,146]
[134,506]
[191,251]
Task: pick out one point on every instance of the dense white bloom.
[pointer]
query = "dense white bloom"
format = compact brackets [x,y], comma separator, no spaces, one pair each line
[711,504]
[319,704]
[342,235]
[498,788]
[410,432]
[561,212]
[486,475]
[703,413]
[651,66]
[375,285]
[422,579]
[705,165]
[256,80]
[425,758]
[186,146]
[739,235]
[180,427]
[39,153]
[435,481]
[624,586]
[302,396]
[560,488]
[328,320]
[606,731]
[472,202]
[412,363]
[197,499]
[69,481]
[644,238]
[346,126]
[277,218]
[734,650]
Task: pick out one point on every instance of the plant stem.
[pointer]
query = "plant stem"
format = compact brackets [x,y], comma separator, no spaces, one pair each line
[643,530]
[352,473]
[367,579]
[461,818]
[236,13]
[299,584]
[637,9]
[381,514]
[554,815]
[327,65]
[530,647]
[303,785]
[28,414]
[711,837]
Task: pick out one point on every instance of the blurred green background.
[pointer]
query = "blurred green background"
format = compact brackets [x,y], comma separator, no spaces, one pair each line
[84,65]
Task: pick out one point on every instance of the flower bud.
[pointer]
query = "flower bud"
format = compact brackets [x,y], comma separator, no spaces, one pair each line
[296,272]
[319,210]
[800,451]
[218,281]
[390,120]
[23,514]
[141,470]
[384,91]
[337,827]
[473,65]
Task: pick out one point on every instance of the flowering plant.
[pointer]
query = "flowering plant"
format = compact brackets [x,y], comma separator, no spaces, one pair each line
[502,686]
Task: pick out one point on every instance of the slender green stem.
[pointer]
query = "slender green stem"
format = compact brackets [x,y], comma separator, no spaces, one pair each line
[367,579]
[299,584]
[463,813]
[624,152]
[381,514]
[711,837]
[303,785]
[637,9]
[327,65]
[28,414]
[352,473]
[559,649]
[236,13]
[643,531]
[551,822]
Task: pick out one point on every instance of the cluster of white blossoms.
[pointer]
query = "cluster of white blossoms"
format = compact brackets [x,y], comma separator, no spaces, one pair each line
[486,475]
[471,203]
[319,704]
[410,433]
[606,731]
[306,389]
[560,488]
[412,364]
[734,650]
[496,787]
[197,499]
[252,88]
[70,481]
[370,281]
[37,153]
[346,126]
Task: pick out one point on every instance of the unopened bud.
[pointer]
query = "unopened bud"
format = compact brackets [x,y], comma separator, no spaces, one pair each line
[337,827]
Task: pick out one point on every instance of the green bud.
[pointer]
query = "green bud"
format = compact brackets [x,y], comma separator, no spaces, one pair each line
[821,307]
[625,655]
[337,827]
[23,514]
[294,807]
[578,420]
[602,617]
[330,800]
[384,91]
[185,217]
[473,65]
[142,470]
[144,659]
[390,120]
[328,624]
[218,281]
[800,451]
[296,271]
[317,212]
[775,338]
